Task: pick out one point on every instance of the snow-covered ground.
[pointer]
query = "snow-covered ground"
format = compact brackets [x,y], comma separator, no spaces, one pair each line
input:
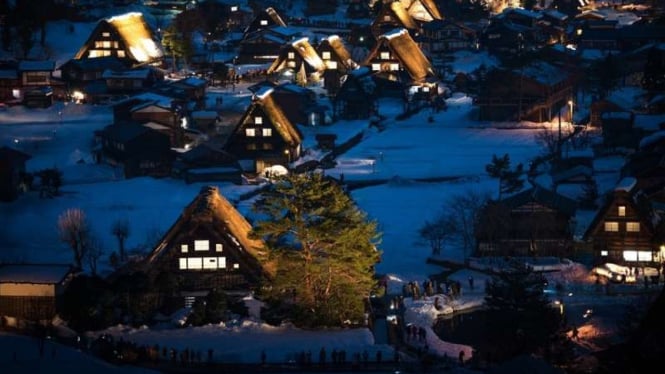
[402,156]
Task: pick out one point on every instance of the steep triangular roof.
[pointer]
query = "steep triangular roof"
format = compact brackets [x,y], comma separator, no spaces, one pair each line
[337,46]
[399,13]
[133,31]
[542,196]
[303,48]
[423,10]
[263,99]
[265,19]
[210,207]
[406,51]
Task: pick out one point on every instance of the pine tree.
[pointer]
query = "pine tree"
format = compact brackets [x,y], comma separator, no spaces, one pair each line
[509,179]
[325,248]
[518,304]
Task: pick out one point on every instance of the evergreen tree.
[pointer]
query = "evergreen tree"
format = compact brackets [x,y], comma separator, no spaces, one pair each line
[325,248]
[509,179]
[519,306]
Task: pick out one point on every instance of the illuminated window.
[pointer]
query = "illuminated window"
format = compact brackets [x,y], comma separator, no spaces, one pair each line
[603,253]
[221,262]
[250,132]
[121,53]
[291,64]
[331,64]
[106,34]
[234,8]
[291,55]
[376,67]
[644,256]
[325,55]
[632,226]
[98,44]
[394,67]
[267,132]
[385,55]
[251,147]
[194,263]
[630,255]
[106,44]
[210,262]
[386,18]
[201,245]
[236,266]
[258,120]
[264,22]
[183,263]
[218,247]
[622,211]
[183,248]
[612,226]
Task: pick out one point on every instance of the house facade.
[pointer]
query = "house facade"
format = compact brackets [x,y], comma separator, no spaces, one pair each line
[264,136]
[534,92]
[623,230]
[140,149]
[534,222]
[126,36]
[299,62]
[33,292]
[208,247]
[356,98]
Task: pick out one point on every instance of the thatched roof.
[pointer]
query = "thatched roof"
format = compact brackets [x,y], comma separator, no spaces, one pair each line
[423,10]
[275,17]
[303,48]
[407,52]
[400,13]
[284,127]
[210,206]
[135,33]
[337,46]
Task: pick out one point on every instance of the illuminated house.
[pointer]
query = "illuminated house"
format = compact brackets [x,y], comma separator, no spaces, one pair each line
[264,46]
[624,229]
[125,36]
[400,67]
[299,62]
[407,14]
[264,137]
[337,60]
[28,82]
[208,247]
[32,291]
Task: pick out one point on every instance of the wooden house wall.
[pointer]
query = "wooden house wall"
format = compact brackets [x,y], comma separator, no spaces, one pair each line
[164,116]
[616,242]
[240,271]
[266,151]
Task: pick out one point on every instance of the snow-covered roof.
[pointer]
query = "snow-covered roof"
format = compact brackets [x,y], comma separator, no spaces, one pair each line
[126,74]
[36,65]
[651,139]
[34,273]
[616,115]
[626,184]
[544,73]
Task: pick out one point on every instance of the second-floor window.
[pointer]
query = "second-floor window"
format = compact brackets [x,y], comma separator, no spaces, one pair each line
[385,55]
[622,211]
[633,226]
[612,226]
[266,132]
[325,55]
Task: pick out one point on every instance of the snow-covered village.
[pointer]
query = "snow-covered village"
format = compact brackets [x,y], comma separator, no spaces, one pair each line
[387,186]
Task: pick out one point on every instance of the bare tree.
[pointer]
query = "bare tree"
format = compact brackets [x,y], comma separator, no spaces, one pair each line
[73,229]
[120,230]
[93,252]
[437,231]
[465,208]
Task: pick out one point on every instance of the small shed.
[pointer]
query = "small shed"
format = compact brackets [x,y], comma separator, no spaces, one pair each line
[32,291]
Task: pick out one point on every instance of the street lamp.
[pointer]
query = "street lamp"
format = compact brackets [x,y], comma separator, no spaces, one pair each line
[570,105]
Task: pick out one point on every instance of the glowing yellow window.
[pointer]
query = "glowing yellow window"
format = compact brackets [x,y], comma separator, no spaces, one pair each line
[612,226]
[622,211]
[633,226]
